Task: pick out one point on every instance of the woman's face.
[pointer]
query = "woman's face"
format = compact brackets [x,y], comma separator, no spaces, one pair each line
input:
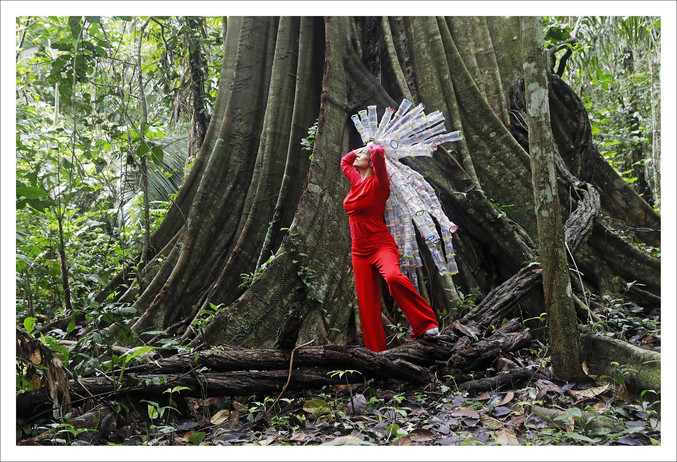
[363,159]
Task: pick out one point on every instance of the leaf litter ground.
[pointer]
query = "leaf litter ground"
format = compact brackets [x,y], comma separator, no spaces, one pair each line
[544,411]
[540,411]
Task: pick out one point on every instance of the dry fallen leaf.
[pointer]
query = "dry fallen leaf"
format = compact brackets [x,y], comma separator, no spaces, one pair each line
[235,416]
[516,421]
[483,396]
[490,422]
[506,437]
[220,417]
[465,412]
[297,436]
[505,364]
[347,439]
[548,386]
[468,331]
[421,434]
[417,411]
[405,441]
[590,393]
[599,407]
[624,395]
[507,398]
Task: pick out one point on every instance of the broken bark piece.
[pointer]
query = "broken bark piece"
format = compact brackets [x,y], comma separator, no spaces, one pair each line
[486,351]
[512,379]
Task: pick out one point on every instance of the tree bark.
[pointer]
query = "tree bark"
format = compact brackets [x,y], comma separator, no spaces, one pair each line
[562,323]
[213,220]
[145,251]
[253,193]
[196,62]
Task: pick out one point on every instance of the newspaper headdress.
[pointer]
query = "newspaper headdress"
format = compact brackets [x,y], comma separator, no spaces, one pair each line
[412,200]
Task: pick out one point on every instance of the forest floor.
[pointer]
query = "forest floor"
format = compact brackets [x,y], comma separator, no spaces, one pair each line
[545,412]
[542,411]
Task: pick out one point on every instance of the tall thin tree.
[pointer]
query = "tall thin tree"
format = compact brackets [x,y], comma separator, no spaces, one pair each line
[562,328]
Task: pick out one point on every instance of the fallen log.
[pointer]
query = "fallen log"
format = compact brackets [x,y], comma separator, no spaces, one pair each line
[474,355]
[199,384]
[237,372]
[639,368]
[331,357]
[512,379]
[222,372]
[502,301]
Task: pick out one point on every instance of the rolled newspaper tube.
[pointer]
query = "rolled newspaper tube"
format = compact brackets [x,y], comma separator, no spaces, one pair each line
[411,274]
[439,261]
[452,266]
[399,153]
[403,133]
[364,118]
[421,150]
[404,107]
[371,115]
[413,151]
[417,257]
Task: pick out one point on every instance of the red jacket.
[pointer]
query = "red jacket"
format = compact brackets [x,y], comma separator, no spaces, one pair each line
[366,201]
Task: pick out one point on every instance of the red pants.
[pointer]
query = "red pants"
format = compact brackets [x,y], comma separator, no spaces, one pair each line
[378,254]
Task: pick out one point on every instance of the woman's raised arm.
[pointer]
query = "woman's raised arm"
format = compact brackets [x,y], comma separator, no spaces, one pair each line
[348,170]
[378,163]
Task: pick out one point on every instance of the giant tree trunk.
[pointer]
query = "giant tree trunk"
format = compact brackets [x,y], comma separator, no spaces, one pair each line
[253,193]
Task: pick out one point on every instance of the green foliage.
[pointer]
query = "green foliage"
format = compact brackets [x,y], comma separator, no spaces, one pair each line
[501,208]
[207,315]
[79,140]
[615,69]
[308,143]
[624,321]
[249,278]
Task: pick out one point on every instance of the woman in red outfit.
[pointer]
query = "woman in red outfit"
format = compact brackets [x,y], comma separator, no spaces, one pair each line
[374,250]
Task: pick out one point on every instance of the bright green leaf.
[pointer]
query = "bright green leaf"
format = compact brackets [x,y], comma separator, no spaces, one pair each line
[135,352]
[158,154]
[579,437]
[316,405]
[71,324]
[196,437]
[29,324]
[30,192]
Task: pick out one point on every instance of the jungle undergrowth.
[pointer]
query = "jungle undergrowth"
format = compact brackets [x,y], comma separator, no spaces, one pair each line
[391,413]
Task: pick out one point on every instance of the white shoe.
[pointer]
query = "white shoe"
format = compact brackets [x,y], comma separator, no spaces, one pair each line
[434,332]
